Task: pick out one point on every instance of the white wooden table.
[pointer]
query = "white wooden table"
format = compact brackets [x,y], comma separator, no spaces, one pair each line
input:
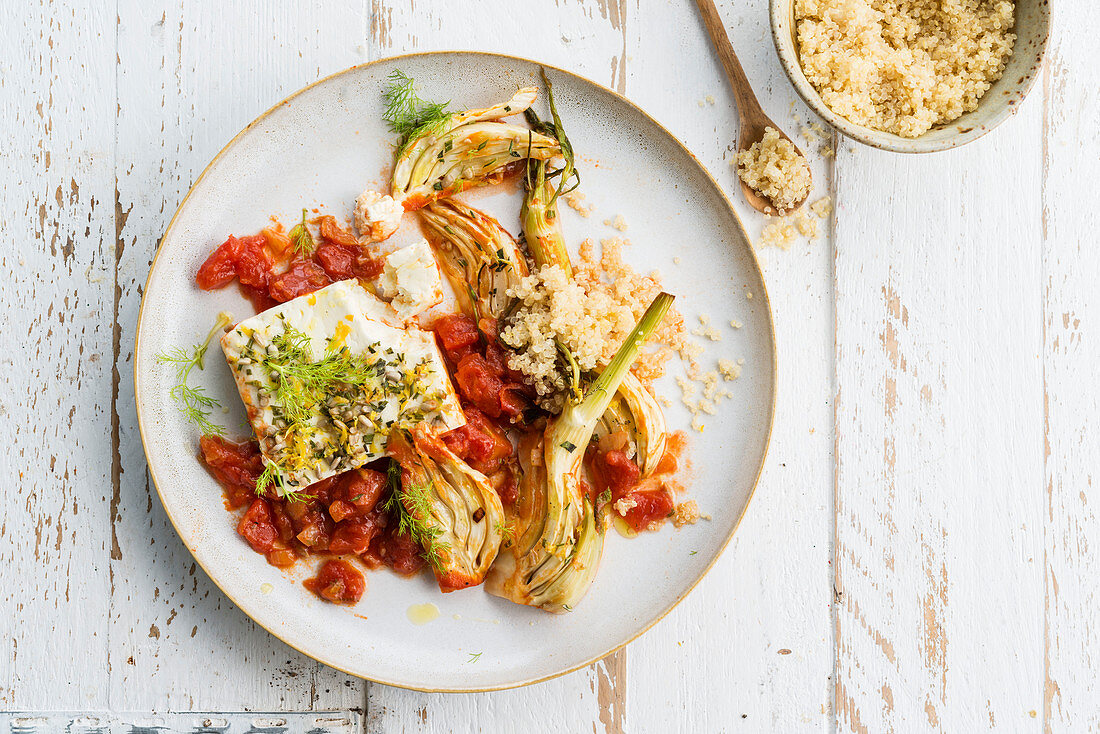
[923,551]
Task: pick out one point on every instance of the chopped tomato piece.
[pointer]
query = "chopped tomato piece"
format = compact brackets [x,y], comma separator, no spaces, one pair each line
[257,526]
[334,233]
[304,276]
[650,506]
[496,358]
[364,488]
[340,509]
[253,262]
[620,472]
[235,464]
[338,581]
[353,536]
[481,442]
[504,483]
[337,260]
[479,385]
[220,268]
[397,550]
[457,333]
[282,558]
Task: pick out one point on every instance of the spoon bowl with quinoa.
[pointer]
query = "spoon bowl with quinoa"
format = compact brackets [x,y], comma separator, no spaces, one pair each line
[914,76]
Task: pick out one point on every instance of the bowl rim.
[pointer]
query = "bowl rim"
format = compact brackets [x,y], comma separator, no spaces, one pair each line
[771,401]
[781,10]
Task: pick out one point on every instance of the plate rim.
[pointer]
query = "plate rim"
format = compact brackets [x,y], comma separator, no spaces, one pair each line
[771,347]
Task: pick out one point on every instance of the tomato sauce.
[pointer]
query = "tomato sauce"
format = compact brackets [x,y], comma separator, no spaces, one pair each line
[269,271]
[344,515]
[648,502]
[338,581]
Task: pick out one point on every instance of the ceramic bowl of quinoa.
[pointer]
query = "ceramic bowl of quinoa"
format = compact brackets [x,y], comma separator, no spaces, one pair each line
[912,76]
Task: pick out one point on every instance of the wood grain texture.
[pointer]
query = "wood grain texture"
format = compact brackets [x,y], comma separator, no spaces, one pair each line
[1071,349]
[939,436]
[57,108]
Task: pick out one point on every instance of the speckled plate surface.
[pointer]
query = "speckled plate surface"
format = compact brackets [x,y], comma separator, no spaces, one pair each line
[327,143]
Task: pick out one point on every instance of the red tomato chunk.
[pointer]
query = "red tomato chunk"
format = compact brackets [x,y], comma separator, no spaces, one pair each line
[303,277]
[258,526]
[338,581]
[270,271]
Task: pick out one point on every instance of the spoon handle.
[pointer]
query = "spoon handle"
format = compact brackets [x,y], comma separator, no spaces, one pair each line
[747,105]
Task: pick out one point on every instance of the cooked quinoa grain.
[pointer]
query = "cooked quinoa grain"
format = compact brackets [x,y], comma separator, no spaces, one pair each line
[589,315]
[903,66]
[774,168]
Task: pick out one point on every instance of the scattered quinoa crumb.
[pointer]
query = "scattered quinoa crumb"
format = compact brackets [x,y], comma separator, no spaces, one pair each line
[780,233]
[686,513]
[903,66]
[736,324]
[710,99]
[773,167]
[822,207]
[730,370]
[676,260]
[748,295]
[576,203]
[807,225]
[625,505]
[617,223]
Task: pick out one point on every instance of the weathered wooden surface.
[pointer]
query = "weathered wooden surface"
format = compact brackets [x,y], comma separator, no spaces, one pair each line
[918,555]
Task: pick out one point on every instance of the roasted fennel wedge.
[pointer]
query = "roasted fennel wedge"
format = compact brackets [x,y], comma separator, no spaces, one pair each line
[447,507]
[478,256]
[559,538]
[638,413]
[455,152]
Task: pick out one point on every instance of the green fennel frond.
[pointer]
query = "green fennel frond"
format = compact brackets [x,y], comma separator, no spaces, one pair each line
[272,478]
[412,506]
[192,401]
[301,238]
[408,115]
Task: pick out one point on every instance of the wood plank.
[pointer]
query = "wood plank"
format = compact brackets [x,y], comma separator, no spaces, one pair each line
[1071,335]
[750,648]
[57,109]
[187,83]
[938,435]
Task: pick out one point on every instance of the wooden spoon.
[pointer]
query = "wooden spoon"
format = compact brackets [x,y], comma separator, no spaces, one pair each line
[753,119]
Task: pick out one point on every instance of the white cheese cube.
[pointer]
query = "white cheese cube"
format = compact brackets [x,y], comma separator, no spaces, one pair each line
[377,216]
[410,280]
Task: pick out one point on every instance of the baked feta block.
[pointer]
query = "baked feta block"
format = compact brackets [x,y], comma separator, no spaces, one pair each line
[410,280]
[327,377]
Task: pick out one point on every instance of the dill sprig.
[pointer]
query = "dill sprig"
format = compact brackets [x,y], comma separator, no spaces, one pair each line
[301,237]
[272,478]
[300,382]
[474,657]
[193,401]
[408,115]
[412,505]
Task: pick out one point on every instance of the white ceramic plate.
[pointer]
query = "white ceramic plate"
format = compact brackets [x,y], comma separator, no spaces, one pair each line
[322,147]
